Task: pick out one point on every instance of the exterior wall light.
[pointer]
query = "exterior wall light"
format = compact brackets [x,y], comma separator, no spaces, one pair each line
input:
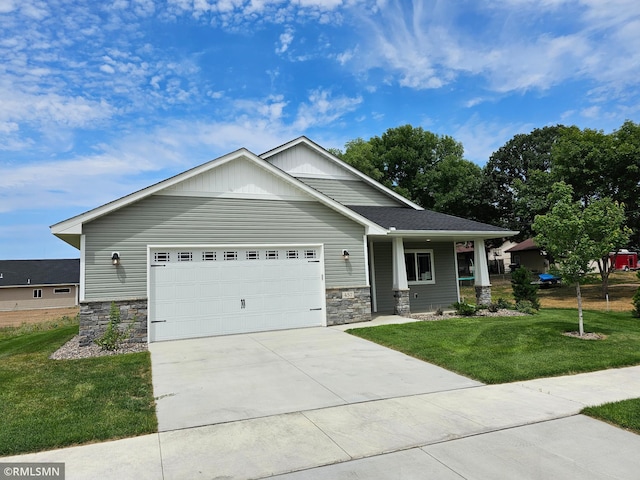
[115,259]
[345,254]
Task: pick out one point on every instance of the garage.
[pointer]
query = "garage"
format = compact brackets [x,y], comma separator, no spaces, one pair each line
[221,290]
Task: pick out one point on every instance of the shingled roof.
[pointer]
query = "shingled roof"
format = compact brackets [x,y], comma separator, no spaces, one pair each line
[422,220]
[39,272]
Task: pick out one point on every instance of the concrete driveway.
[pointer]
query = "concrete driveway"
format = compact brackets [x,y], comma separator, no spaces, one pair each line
[214,380]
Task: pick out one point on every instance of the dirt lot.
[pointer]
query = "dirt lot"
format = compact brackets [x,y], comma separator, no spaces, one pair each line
[14,319]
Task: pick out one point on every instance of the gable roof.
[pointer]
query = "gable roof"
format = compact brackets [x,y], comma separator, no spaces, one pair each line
[39,272]
[528,244]
[302,140]
[70,230]
[407,221]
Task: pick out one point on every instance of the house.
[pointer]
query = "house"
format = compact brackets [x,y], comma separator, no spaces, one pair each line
[290,238]
[37,284]
[527,254]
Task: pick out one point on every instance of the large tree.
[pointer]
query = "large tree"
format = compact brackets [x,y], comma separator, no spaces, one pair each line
[518,178]
[427,168]
[575,234]
[602,165]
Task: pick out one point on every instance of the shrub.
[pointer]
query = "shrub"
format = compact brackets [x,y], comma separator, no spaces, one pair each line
[503,304]
[114,335]
[464,308]
[523,289]
[525,306]
[493,307]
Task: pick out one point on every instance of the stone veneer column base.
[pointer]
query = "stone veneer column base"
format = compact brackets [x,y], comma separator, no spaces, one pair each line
[94,318]
[483,295]
[348,305]
[402,303]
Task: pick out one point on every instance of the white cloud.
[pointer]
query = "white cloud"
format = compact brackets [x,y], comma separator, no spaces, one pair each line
[107,69]
[324,109]
[510,44]
[482,138]
[285,40]
[7,6]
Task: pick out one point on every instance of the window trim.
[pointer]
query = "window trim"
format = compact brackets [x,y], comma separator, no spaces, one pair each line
[62,291]
[415,251]
[37,293]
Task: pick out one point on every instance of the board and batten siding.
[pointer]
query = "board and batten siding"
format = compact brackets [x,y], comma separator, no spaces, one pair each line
[351,192]
[175,220]
[430,296]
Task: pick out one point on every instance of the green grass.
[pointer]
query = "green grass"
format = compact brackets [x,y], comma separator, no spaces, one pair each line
[625,414]
[507,349]
[46,404]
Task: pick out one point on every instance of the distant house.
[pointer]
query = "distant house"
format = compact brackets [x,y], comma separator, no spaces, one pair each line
[528,254]
[36,284]
[498,258]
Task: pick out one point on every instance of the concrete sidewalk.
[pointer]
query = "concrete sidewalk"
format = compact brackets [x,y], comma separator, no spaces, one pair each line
[520,430]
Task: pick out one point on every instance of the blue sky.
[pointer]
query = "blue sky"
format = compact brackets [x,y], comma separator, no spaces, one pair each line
[99,99]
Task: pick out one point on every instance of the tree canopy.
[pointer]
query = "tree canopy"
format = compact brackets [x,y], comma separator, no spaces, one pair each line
[427,168]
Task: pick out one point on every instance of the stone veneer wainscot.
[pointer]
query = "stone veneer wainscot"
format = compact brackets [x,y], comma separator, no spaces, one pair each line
[348,310]
[94,318]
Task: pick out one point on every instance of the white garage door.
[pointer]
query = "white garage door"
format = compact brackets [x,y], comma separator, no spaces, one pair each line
[199,292]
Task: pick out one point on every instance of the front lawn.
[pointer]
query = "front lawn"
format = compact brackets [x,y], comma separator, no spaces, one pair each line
[46,404]
[508,349]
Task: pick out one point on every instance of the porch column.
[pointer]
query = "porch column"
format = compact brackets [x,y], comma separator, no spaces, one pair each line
[400,284]
[481,273]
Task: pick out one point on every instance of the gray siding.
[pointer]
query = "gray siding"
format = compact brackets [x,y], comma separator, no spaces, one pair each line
[351,192]
[441,294]
[194,220]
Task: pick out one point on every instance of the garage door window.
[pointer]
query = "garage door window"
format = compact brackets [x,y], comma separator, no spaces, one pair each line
[309,254]
[292,254]
[230,255]
[272,254]
[253,255]
[208,256]
[185,256]
[161,257]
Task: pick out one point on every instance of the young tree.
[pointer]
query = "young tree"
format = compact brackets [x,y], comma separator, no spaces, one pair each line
[575,235]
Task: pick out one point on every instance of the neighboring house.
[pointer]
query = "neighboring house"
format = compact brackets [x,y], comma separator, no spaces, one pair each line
[527,254]
[498,258]
[36,284]
[291,238]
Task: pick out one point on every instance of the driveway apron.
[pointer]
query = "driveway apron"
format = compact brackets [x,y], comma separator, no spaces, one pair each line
[215,380]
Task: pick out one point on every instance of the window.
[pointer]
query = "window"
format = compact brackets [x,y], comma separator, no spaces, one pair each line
[419,266]
[37,293]
[230,255]
[61,290]
[272,254]
[161,257]
[291,254]
[309,254]
[185,256]
[253,255]
[208,256]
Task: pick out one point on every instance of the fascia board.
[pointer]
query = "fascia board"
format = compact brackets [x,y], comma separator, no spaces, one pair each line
[470,234]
